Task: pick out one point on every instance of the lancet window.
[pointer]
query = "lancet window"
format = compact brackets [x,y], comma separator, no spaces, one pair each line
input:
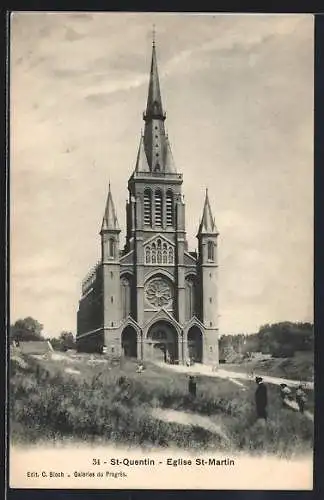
[158,208]
[210,252]
[159,253]
[147,207]
[111,247]
[169,208]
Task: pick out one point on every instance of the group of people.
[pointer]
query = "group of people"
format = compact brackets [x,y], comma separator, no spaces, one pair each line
[261,393]
[287,396]
[261,397]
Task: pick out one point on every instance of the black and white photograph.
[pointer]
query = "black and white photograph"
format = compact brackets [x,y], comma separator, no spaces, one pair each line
[161,251]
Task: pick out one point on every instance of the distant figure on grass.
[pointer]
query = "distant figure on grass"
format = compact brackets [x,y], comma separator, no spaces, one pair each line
[140,368]
[192,386]
[301,398]
[261,398]
[285,394]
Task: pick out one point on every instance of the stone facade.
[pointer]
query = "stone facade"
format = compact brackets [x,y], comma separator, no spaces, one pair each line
[154,299]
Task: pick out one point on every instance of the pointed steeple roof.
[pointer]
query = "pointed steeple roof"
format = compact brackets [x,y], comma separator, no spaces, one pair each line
[207,224]
[141,161]
[154,102]
[109,221]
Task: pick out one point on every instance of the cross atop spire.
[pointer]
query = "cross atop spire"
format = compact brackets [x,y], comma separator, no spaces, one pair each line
[153,36]
[154,108]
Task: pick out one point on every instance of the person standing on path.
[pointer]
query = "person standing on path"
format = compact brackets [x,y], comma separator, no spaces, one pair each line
[192,386]
[261,398]
[301,398]
[285,394]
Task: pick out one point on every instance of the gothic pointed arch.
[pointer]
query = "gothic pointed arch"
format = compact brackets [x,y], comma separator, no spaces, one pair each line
[129,341]
[163,341]
[195,343]
[162,315]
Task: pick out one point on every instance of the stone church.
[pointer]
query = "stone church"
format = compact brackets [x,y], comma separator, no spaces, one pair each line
[153,299]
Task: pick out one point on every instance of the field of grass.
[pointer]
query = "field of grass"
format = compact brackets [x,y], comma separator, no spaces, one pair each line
[300,367]
[46,403]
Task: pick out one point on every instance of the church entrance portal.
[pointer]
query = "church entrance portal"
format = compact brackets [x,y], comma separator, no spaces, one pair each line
[195,344]
[129,342]
[163,342]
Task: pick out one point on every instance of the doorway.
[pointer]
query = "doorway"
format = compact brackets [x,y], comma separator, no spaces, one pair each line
[195,344]
[163,339]
[129,342]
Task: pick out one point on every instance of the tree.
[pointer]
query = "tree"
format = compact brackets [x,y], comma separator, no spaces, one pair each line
[26,329]
[283,339]
[67,340]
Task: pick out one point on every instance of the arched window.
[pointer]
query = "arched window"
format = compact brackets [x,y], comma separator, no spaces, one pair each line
[148,255]
[170,256]
[165,253]
[147,207]
[111,247]
[159,252]
[169,208]
[158,208]
[153,253]
[210,251]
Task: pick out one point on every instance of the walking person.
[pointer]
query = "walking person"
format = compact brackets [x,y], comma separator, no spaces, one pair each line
[140,368]
[301,398]
[285,394]
[261,398]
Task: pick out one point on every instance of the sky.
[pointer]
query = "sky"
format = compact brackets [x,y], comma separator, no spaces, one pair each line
[238,93]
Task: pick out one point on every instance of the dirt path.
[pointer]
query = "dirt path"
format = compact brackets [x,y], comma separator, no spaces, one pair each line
[186,418]
[200,369]
[294,406]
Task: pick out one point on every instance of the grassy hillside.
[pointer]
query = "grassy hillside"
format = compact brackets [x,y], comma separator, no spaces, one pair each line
[48,403]
[300,367]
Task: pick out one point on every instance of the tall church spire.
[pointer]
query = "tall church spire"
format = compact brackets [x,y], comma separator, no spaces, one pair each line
[156,145]
[154,106]
[207,223]
[109,221]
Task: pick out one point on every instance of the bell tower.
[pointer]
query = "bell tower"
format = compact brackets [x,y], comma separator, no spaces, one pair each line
[110,267]
[155,206]
[208,279]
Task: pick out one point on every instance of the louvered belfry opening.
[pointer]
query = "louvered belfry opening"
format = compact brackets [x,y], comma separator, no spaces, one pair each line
[169,209]
[158,208]
[147,207]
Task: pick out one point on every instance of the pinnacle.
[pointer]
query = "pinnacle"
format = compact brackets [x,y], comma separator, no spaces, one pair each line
[207,224]
[110,221]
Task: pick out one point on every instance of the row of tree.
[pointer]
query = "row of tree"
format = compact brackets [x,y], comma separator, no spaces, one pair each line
[30,329]
[278,339]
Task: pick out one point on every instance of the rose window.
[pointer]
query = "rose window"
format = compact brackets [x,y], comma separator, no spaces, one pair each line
[158,292]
